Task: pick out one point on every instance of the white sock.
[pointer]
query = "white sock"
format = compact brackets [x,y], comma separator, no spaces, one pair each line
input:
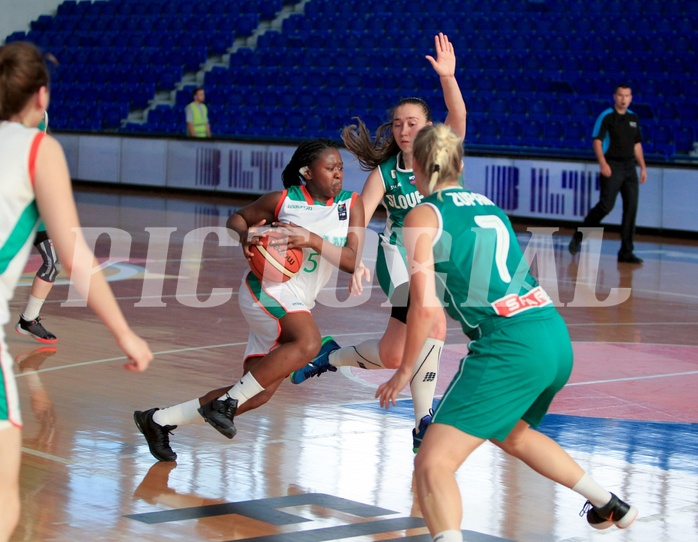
[33,308]
[246,388]
[423,383]
[33,381]
[449,536]
[588,487]
[365,356]
[181,414]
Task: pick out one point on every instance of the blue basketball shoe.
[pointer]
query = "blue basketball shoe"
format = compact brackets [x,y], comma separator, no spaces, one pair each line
[319,365]
[418,434]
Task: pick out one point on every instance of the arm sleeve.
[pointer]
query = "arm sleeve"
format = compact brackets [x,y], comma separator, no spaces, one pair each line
[601,127]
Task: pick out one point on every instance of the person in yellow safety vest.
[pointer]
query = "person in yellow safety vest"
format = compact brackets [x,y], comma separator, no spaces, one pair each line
[197,116]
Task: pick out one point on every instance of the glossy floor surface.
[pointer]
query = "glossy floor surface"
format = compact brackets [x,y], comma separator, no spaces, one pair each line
[321,461]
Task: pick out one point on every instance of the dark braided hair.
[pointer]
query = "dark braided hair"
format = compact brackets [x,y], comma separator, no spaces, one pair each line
[306,153]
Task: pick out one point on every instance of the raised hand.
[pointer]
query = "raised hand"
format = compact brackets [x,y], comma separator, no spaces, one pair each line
[445,62]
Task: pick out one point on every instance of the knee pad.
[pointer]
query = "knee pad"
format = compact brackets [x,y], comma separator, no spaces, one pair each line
[50,268]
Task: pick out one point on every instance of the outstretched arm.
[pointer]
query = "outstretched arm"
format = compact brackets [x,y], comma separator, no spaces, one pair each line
[421,226]
[372,194]
[54,195]
[445,66]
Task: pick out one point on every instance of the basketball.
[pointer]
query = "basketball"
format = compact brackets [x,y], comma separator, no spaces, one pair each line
[272,264]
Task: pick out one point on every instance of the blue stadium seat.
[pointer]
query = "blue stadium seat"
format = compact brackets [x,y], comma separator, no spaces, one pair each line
[16,36]
[690,89]
[518,106]
[525,84]
[685,137]
[68,7]
[504,84]
[296,125]
[499,107]
[519,66]
[488,131]
[246,24]
[663,140]
[554,134]
[578,133]
[485,83]
[306,99]
[510,132]
[313,124]
[538,108]
[531,132]
[668,110]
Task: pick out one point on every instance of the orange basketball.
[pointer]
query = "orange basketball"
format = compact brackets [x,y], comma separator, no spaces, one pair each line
[272,264]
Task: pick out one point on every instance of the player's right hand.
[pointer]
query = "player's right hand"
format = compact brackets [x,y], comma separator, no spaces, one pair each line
[253,236]
[137,350]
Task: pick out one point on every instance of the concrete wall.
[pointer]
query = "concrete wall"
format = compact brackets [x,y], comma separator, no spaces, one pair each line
[16,15]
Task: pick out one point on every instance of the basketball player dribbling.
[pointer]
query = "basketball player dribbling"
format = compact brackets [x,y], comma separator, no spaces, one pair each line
[315,214]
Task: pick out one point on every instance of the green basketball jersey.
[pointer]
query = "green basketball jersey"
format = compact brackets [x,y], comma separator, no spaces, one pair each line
[400,197]
[481,273]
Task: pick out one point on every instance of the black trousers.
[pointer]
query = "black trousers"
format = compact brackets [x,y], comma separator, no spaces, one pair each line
[623,180]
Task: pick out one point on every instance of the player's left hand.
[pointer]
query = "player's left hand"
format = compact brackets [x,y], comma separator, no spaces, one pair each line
[445,62]
[253,236]
[388,391]
[361,273]
[290,235]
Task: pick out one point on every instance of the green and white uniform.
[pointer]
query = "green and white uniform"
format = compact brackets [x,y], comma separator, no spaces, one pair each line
[400,197]
[264,303]
[19,218]
[520,355]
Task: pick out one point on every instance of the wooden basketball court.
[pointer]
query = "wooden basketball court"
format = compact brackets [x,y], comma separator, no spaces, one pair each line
[321,461]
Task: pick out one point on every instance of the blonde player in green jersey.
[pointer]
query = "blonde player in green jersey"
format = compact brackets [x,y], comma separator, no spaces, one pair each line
[463,255]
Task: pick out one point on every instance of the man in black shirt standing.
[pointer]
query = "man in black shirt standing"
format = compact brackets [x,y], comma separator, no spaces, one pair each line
[618,148]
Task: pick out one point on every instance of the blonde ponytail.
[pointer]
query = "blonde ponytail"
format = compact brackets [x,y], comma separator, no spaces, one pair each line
[439,150]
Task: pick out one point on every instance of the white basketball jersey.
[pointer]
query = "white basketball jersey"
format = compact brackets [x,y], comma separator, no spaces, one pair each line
[329,220]
[19,216]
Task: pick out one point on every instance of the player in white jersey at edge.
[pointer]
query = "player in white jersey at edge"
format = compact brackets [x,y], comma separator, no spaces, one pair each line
[35,185]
